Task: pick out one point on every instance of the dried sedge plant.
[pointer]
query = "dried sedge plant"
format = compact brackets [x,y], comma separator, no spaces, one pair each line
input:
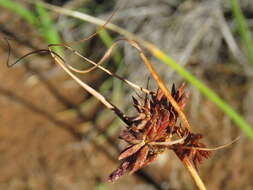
[155,128]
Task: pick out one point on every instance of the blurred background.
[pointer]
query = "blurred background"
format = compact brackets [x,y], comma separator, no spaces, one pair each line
[54,135]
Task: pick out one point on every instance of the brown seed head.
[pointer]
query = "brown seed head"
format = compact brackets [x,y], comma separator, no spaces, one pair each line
[153,130]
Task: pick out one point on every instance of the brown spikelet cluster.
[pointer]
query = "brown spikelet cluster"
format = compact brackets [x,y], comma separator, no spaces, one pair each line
[154,130]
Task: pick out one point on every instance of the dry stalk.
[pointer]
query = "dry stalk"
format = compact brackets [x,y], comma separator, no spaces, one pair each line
[109,105]
[96,94]
[98,65]
[147,63]
[194,174]
[185,136]
[156,137]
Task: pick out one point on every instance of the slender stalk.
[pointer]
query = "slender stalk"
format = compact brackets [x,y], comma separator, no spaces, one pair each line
[194,174]
[96,94]
[98,65]
[110,106]
[160,55]
[165,91]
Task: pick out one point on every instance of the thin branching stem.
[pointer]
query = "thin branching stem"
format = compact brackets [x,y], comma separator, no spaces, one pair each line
[98,65]
[161,84]
[109,105]
[67,68]
[194,174]
[211,148]
[96,94]
[186,161]
[160,55]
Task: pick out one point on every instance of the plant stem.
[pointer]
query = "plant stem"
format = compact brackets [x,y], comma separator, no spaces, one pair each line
[186,162]
[194,174]
[96,94]
[160,55]
[165,90]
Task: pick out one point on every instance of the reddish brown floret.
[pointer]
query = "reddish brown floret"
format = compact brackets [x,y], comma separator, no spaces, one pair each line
[151,132]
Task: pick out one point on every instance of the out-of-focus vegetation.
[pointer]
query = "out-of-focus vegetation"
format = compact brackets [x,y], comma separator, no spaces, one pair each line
[243,29]
[87,131]
[40,19]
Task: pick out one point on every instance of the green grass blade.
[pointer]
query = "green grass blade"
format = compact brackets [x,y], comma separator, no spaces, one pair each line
[43,22]
[47,28]
[243,29]
[24,13]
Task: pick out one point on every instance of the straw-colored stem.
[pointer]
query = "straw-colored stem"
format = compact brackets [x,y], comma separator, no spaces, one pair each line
[165,91]
[85,86]
[96,94]
[196,178]
[98,65]
[160,55]
[194,174]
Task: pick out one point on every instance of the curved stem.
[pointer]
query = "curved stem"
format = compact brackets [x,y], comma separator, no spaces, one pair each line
[96,94]
[160,55]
